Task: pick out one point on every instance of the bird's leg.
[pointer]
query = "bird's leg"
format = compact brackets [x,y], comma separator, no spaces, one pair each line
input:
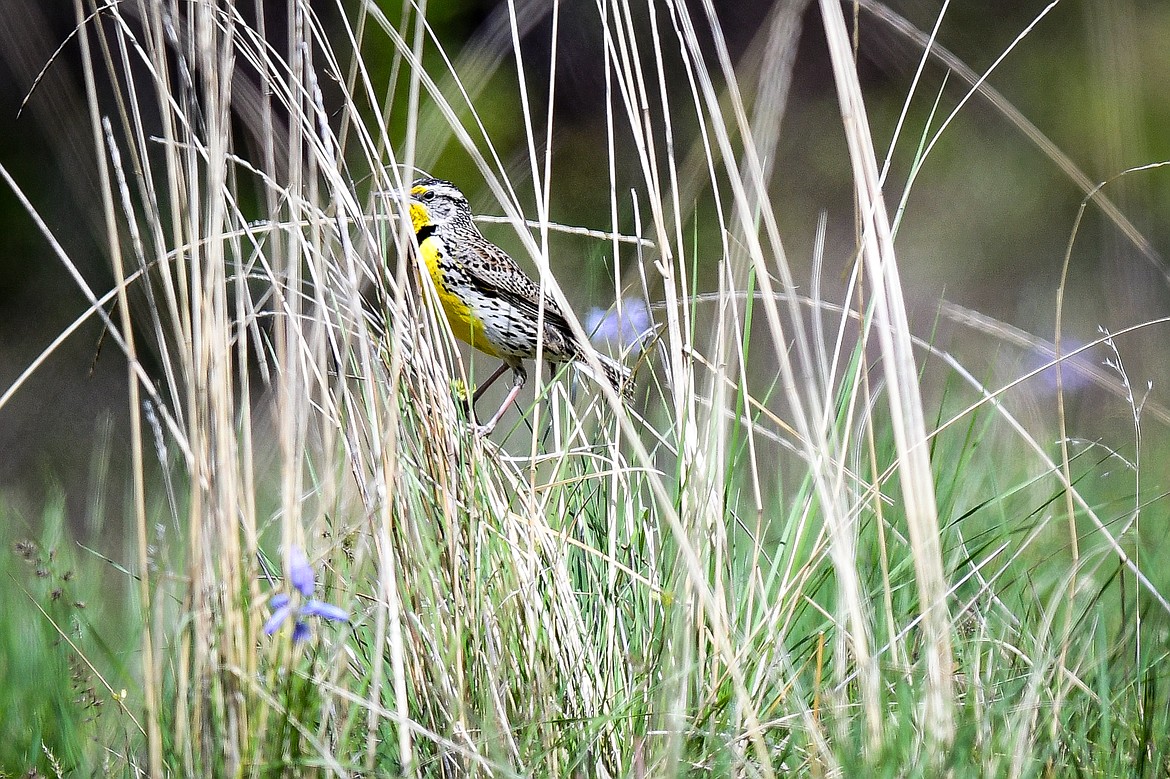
[519,376]
[482,388]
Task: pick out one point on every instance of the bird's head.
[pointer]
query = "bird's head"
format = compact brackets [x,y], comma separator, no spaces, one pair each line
[436,203]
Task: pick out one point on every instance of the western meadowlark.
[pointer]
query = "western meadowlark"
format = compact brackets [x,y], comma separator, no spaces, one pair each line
[489,301]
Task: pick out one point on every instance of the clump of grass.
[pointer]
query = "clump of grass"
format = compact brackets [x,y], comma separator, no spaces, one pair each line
[62,685]
[776,561]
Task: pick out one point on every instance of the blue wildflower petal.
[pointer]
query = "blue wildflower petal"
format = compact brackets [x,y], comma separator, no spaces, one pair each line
[325,610]
[301,631]
[278,617]
[593,319]
[279,601]
[300,573]
[627,329]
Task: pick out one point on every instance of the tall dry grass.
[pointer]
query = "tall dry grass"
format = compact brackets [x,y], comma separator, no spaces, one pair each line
[752,570]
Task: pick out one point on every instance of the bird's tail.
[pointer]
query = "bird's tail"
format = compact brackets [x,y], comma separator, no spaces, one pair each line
[613,372]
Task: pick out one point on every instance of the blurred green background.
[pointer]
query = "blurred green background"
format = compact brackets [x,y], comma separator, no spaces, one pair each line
[987,224]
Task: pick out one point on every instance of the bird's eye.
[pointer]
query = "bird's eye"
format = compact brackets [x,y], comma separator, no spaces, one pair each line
[428,196]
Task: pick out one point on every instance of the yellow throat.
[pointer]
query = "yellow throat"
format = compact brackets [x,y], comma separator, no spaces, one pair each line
[464,323]
[419,216]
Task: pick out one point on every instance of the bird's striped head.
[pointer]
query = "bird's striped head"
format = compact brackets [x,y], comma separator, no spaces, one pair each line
[435,203]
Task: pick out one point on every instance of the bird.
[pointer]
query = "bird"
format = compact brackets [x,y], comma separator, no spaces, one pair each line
[488,299]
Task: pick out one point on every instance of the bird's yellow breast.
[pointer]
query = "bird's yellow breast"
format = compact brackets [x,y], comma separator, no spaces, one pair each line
[453,296]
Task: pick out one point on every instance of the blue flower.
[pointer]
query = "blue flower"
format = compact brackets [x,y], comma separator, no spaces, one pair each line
[627,327]
[300,573]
